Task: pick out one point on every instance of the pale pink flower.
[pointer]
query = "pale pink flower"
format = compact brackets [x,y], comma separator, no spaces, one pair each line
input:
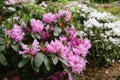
[33,50]
[25,48]
[58,76]
[35,47]
[64,13]
[45,35]
[37,25]
[16,18]
[49,17]
[54,46]
[70,76]
[10,2]
[87,43]
[16,33]
[63,38]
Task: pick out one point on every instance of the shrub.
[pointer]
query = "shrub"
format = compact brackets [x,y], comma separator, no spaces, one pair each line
[36,44]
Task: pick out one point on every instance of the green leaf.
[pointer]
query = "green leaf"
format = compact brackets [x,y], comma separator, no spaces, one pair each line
[37,36]
[57,31]
[66,69]
[55,60]
[23,62]
[2,47]
[15,48]
[47,64]
[33,65]
[74,76]
[63,61]
[3,60]
[39,59]
[25,55]
[56,34]
[2,41]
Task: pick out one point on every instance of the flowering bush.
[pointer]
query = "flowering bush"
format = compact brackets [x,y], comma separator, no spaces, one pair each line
[102,30]
[39,45]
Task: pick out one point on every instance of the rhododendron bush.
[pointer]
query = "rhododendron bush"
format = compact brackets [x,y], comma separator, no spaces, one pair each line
[40,45]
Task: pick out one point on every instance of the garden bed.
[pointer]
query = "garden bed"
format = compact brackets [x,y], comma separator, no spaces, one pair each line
[105,73]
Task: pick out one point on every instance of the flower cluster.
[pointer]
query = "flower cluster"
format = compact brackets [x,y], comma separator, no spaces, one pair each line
[103,31]
[31,51]
[61,76]
[73,48]
[13,2]
[37,25]
[50,17]
[16,33]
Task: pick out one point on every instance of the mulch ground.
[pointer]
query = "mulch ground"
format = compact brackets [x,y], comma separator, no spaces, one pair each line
[103,73]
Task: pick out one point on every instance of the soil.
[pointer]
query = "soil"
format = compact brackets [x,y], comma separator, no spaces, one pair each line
[101,73]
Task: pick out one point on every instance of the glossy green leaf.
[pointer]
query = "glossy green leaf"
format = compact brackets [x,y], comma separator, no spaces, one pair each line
[2,47]
[63,61]
[15,48]
[23,62]
[39,59]
[57,31]
[55,60]
[3,60]
[2,41]
[46,62]
[33,65]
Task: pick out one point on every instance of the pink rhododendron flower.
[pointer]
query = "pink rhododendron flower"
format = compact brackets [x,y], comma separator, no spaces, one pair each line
[37,25]
[16,78]
[40,79]
[87,43]
[45,35]
[54,46]
[32,51]
[63,38]
[16,18]
[76,63]
[10,2]
[70,77]
[63,13]
[25,48]
[35,47]
[58,76]
[16,33]
[49,17]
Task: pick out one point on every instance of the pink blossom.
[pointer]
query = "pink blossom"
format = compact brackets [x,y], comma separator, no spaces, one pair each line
[16,33]
[16,78]
[76,63]
[58,76]
[71,32]
[63,13]
[16,18]
[54,46]
[35,47]
[63,38]
[87,43]
[37,25]
[45,35]
[70,77]
[10,2]
[49,17]
[40,79]
[25,48]
[33,50]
